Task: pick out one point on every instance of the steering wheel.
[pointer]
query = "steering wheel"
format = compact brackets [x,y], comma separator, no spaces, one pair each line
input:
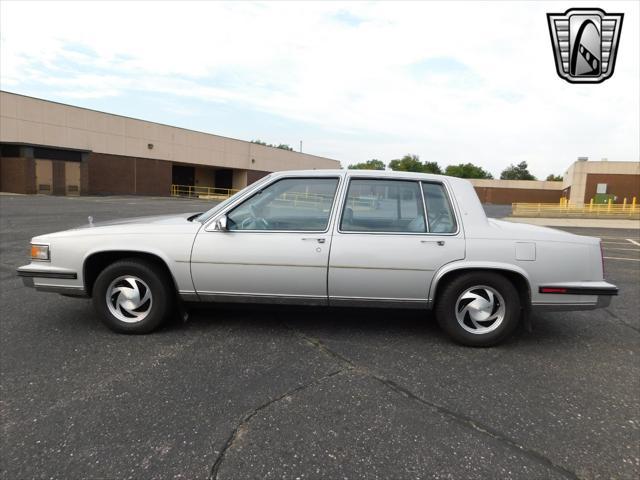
[254,222]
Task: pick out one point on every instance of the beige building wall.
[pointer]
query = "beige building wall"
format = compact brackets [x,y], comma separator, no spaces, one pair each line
[34,121]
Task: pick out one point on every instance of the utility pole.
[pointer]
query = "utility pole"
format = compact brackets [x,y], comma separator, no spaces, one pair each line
[300,146]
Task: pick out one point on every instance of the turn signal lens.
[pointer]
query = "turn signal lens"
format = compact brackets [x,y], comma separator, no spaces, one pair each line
[40,252]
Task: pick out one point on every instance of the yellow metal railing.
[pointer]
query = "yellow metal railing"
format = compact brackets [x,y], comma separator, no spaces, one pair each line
[205,193]
[589,210]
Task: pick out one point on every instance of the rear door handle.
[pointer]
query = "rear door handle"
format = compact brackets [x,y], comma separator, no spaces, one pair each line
[319,240]
[440,243]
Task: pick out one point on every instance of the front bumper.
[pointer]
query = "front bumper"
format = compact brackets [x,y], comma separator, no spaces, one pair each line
[45,278]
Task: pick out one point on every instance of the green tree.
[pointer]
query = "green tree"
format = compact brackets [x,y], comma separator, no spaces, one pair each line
[372,164]
[467,170]
[412,163]
[282,146]
[517,172]
[554,178]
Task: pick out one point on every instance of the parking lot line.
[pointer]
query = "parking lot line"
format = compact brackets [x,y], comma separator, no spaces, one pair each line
[623,258]
[628,249]
[633,241]
[611,238]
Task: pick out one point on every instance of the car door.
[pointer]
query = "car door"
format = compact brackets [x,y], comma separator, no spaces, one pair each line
[275,247]
[387,245]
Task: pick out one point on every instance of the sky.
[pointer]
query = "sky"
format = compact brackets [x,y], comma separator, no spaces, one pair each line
[452,82]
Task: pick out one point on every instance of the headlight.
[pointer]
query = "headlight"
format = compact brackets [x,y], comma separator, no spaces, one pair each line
[40,252]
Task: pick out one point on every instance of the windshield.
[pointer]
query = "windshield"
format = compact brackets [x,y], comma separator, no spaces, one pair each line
[203,217]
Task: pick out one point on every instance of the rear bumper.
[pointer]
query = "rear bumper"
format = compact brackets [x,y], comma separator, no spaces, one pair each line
[607,290]
[574,296]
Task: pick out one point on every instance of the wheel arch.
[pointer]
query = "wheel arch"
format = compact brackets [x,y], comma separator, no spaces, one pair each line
[96,262]
[516,275]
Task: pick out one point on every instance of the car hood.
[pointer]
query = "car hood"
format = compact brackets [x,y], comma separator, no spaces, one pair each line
[153,225]
[150,220]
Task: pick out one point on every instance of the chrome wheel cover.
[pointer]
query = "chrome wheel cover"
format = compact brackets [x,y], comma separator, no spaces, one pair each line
[129,299]
[480,309]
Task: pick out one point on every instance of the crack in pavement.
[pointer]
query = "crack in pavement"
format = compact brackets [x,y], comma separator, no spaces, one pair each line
[447,413]
[621,321]
[240,429]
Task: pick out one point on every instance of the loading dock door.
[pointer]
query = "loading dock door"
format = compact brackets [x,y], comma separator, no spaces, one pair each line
[72,178]
[44,176]
[183,175]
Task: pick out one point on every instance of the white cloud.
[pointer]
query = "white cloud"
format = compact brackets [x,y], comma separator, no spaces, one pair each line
[489,94]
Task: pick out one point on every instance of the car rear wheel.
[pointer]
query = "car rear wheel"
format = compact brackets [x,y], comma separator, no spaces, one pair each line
[132,296]
[478,309]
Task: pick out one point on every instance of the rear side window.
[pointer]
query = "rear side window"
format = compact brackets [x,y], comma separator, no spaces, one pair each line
[383,206]
[439,212]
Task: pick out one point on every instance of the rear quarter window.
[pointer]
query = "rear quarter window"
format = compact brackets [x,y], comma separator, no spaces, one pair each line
[440,215]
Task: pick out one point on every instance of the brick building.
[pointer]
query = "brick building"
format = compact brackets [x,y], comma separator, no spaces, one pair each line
[52,148]
[584,179]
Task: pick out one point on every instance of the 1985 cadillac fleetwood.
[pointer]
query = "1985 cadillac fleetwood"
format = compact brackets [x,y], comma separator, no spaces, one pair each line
[329,238]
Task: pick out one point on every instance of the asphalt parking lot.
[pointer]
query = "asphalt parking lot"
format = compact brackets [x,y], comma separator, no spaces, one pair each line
[307,393]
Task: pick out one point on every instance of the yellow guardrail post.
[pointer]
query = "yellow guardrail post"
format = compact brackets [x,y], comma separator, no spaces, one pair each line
[591,205]
[624,204]
[633,205]
[609,206]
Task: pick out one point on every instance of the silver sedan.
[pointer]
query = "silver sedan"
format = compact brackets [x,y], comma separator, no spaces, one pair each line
[329,238]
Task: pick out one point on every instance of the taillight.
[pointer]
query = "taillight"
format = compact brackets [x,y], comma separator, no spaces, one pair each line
[552,290]
[602,258]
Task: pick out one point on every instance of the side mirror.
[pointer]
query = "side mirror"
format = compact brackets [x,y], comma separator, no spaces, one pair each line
[221,224]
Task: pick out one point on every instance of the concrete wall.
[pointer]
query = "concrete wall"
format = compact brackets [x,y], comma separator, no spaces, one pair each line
[27,120]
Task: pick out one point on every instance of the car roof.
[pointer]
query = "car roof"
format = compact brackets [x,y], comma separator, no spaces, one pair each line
[362,173]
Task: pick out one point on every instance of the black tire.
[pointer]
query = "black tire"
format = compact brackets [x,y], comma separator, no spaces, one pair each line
[478,285]
[139,275]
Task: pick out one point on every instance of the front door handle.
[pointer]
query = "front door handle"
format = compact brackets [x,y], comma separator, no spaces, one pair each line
[319,240]
[440,243]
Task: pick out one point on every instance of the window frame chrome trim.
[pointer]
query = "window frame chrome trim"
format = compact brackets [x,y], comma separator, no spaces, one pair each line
[339,177]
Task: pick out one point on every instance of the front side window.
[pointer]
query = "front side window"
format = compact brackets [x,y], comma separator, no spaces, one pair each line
[439,211]
[383,206]
[290,204]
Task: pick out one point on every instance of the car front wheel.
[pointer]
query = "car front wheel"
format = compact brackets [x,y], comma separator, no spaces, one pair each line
[478,309]
[132,296]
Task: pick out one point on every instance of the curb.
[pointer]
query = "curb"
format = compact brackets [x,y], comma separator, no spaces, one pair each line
[577,222]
